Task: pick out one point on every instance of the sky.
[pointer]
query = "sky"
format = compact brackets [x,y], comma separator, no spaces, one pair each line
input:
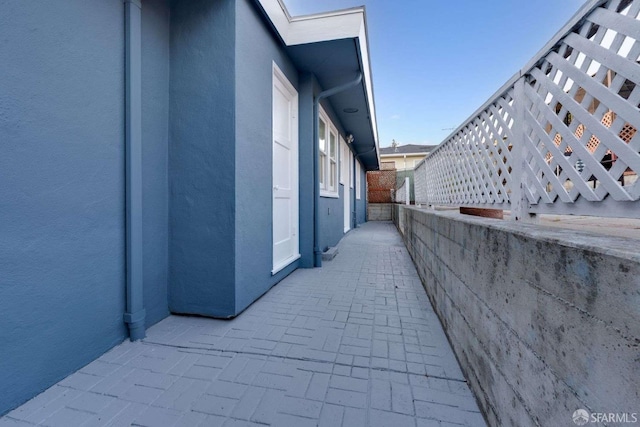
[434,63]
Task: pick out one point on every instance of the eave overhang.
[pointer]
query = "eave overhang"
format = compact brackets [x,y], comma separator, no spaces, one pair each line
[334,47]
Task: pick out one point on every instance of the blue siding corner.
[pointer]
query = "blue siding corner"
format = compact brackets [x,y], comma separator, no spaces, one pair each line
[202,158]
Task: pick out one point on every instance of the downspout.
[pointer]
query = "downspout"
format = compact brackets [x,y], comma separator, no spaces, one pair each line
[317,253]
[134,316]
[355,181]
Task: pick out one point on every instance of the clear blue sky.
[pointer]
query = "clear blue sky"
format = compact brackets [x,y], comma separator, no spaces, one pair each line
[435,62]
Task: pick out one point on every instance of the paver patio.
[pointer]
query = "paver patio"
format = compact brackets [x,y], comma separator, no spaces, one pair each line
[354,343]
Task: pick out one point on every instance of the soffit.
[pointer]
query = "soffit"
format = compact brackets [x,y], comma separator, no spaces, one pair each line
[335,63]
[333,46]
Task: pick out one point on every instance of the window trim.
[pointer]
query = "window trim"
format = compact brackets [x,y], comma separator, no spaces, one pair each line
[322,173]
[333,161]
[330,128]
[344,149]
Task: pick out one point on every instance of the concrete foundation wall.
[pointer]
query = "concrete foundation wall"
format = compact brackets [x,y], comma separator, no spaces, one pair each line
[379,211]
[544,321]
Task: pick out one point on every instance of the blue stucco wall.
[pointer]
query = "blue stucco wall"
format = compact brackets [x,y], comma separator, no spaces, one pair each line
[361,205]
[331,220]
[155,156]
[62,194]
[306,83]
[331,212]
[256,50]
[202,158]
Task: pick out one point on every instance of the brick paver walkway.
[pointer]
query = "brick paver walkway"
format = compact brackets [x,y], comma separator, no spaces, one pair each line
[355,343]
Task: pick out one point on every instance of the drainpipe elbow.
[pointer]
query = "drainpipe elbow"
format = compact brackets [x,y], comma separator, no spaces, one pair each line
[136,324]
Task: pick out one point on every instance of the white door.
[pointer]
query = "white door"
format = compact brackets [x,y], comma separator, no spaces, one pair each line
[344,157]
[285,172]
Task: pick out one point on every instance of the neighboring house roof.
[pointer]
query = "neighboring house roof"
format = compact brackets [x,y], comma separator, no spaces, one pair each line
[406,149]
[341,36]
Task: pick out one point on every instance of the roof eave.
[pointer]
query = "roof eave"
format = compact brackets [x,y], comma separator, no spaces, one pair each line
[341,24]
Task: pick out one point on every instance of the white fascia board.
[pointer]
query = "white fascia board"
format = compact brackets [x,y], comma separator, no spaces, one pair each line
[279,16]
[319,28]
[366,65]
[342,24]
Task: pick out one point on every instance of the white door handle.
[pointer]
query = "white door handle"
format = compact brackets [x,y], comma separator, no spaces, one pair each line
[276,187]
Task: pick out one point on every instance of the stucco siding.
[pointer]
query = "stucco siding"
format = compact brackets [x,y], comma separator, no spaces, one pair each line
[331,216]
[155,156]
[331,211]
[306,83]
[62,194]
[202,158]
[256,51]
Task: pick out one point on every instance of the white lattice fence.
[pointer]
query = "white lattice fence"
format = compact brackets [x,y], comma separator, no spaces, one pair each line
[401,193]
[420,183]
[560,136]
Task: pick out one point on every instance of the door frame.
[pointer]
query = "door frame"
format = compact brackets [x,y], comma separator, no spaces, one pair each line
[345,169]
[279,77]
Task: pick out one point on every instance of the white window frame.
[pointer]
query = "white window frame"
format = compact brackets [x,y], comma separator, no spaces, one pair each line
[326,175]
[358,181]
[333,160]
[322,154]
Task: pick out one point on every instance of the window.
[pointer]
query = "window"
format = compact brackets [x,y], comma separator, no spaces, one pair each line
[358,181]
[328,153]
[333,161]
[322,136]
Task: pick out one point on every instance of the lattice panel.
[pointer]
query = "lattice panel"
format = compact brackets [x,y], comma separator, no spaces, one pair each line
[380,186]
[420,184]
[581,112]
[569,135]
[474,166]
[401,193]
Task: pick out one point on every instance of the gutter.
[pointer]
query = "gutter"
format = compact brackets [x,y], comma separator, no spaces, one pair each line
[135,314]
[317,253]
